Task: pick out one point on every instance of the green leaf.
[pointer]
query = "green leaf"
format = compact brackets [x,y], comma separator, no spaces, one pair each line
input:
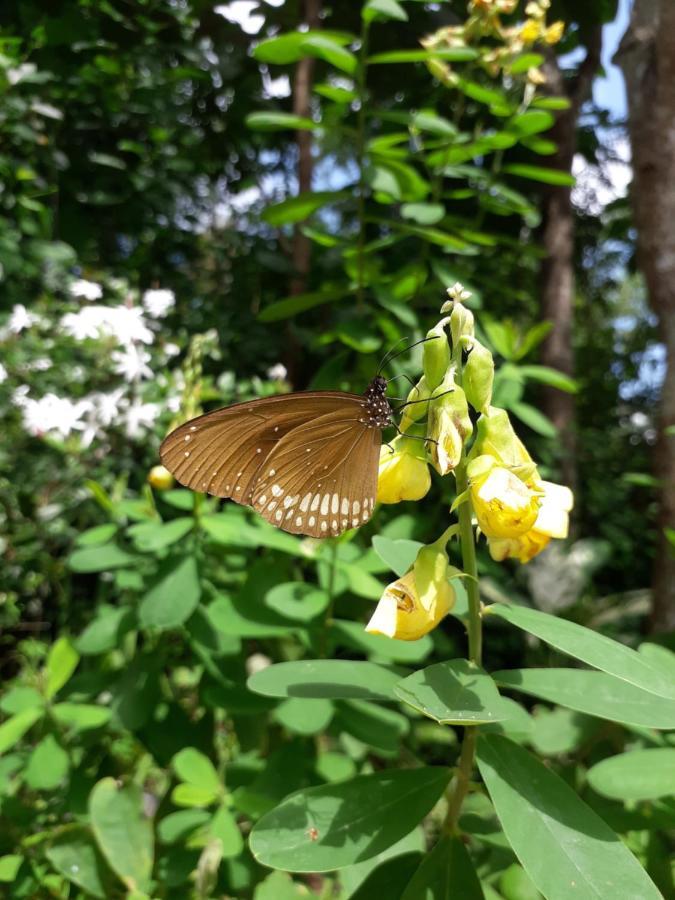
[61,663]
[320,45]
[299,208]
[14,728]
[560,730]
[589,646]
[565,848]
[333,766]
[636,775]
[106,630]
[122,832]
[149,537]
[297,600]
[174,596]
[280,886]
[47,765]
[224,828]
[353,635]
[228,529]
[191,795]
[100,534]
[373,724]
[197,770]
[453,54]
[549,376]
[289,47]
[278,121]
[19,698]
[383,9]
[81,716]
[76,857]
[388,878]
[594,693]
[534,419]
[539,173]
[399,554]
[424,213]
[453,693]
[335,825]
[525,61]
[303,716]
[332,679]
[100,558]
[429,120]
[178,826]
[9,867]
[291,306]
[532,121]
[446,873]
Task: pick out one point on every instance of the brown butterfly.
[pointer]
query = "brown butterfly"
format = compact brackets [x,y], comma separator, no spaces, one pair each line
[307,462]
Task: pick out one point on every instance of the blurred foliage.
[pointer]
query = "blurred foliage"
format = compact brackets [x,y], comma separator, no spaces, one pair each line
[156,149]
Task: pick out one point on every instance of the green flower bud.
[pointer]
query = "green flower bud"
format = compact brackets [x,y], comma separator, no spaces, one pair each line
[495,437]
[461,323]
[478,376]
[419,406]
[431,578]
[436,355]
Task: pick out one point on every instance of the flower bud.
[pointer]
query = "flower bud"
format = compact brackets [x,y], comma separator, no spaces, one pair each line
[505,506]
[495,437]
[160,478]
[401,614]
[461,323]
[419,406]
[478,376]
[436,355]
[449,425]
[431,569]
[404,473]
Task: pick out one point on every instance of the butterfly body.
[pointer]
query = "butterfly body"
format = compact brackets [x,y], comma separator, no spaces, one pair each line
[307,462]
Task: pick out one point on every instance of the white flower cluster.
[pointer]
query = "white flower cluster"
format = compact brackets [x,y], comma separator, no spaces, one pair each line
[129,327]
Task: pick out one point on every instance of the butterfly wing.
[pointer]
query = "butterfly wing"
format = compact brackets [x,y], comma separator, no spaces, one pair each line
[221,452]
[321,478]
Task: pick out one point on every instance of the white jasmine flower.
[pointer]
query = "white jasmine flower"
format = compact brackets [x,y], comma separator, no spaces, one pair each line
[19,319]
[87,290]
[53,414]
[140,417]
[3,374]
[125,323]
[132,362]
[158,302]
[277,372]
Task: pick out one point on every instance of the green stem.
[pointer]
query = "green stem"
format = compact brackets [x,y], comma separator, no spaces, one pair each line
[464,513]
[460,784]
[360,161]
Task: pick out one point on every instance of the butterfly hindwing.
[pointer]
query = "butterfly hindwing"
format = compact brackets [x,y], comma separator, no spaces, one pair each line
[321,478]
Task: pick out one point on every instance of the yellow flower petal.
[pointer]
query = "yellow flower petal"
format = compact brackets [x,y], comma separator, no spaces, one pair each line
[504,505]
[402,475]
[401,614]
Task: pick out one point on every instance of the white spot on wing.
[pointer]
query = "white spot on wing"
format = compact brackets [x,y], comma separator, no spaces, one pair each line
[344,506]
[335,505]
[324,504]
[356,507]
[304,506]
[315,502]
[276,490]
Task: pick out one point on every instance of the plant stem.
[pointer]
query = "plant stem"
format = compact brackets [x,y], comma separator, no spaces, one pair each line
[460,784]
[464,513]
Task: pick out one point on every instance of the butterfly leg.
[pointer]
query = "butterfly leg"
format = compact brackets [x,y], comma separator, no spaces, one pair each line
[414,437]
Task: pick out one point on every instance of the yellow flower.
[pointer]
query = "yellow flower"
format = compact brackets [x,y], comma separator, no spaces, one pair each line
[554,32]
[505,506]
[404,473]
[552,522]
[530,32]
[401,613]
[160,478]
[449,425]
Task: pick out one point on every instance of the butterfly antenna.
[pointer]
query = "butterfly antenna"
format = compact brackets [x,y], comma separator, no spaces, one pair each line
[389,356]
[386,355]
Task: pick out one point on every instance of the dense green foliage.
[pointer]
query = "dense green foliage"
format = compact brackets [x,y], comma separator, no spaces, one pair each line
[147,746]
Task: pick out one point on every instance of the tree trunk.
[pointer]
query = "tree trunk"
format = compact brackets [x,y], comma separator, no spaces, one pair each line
[557,273]
[647,58]
[302,93]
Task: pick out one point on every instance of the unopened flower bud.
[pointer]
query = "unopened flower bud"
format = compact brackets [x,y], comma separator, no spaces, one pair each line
[431,569]
[478,376]
[461,323]
[160,478]
[404,473]
[418,398]
[449,425]
[436,355]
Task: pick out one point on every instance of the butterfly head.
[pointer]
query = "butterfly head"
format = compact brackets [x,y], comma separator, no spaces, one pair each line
[377,409]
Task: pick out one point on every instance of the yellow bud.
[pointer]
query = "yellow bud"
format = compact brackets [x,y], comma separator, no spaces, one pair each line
[504,505]
[401,614]
[478,376]
[431,569]
[554,32]
[449,425]
[160,478]
[530,31]
[419,406]
[436,355]
[404,473]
